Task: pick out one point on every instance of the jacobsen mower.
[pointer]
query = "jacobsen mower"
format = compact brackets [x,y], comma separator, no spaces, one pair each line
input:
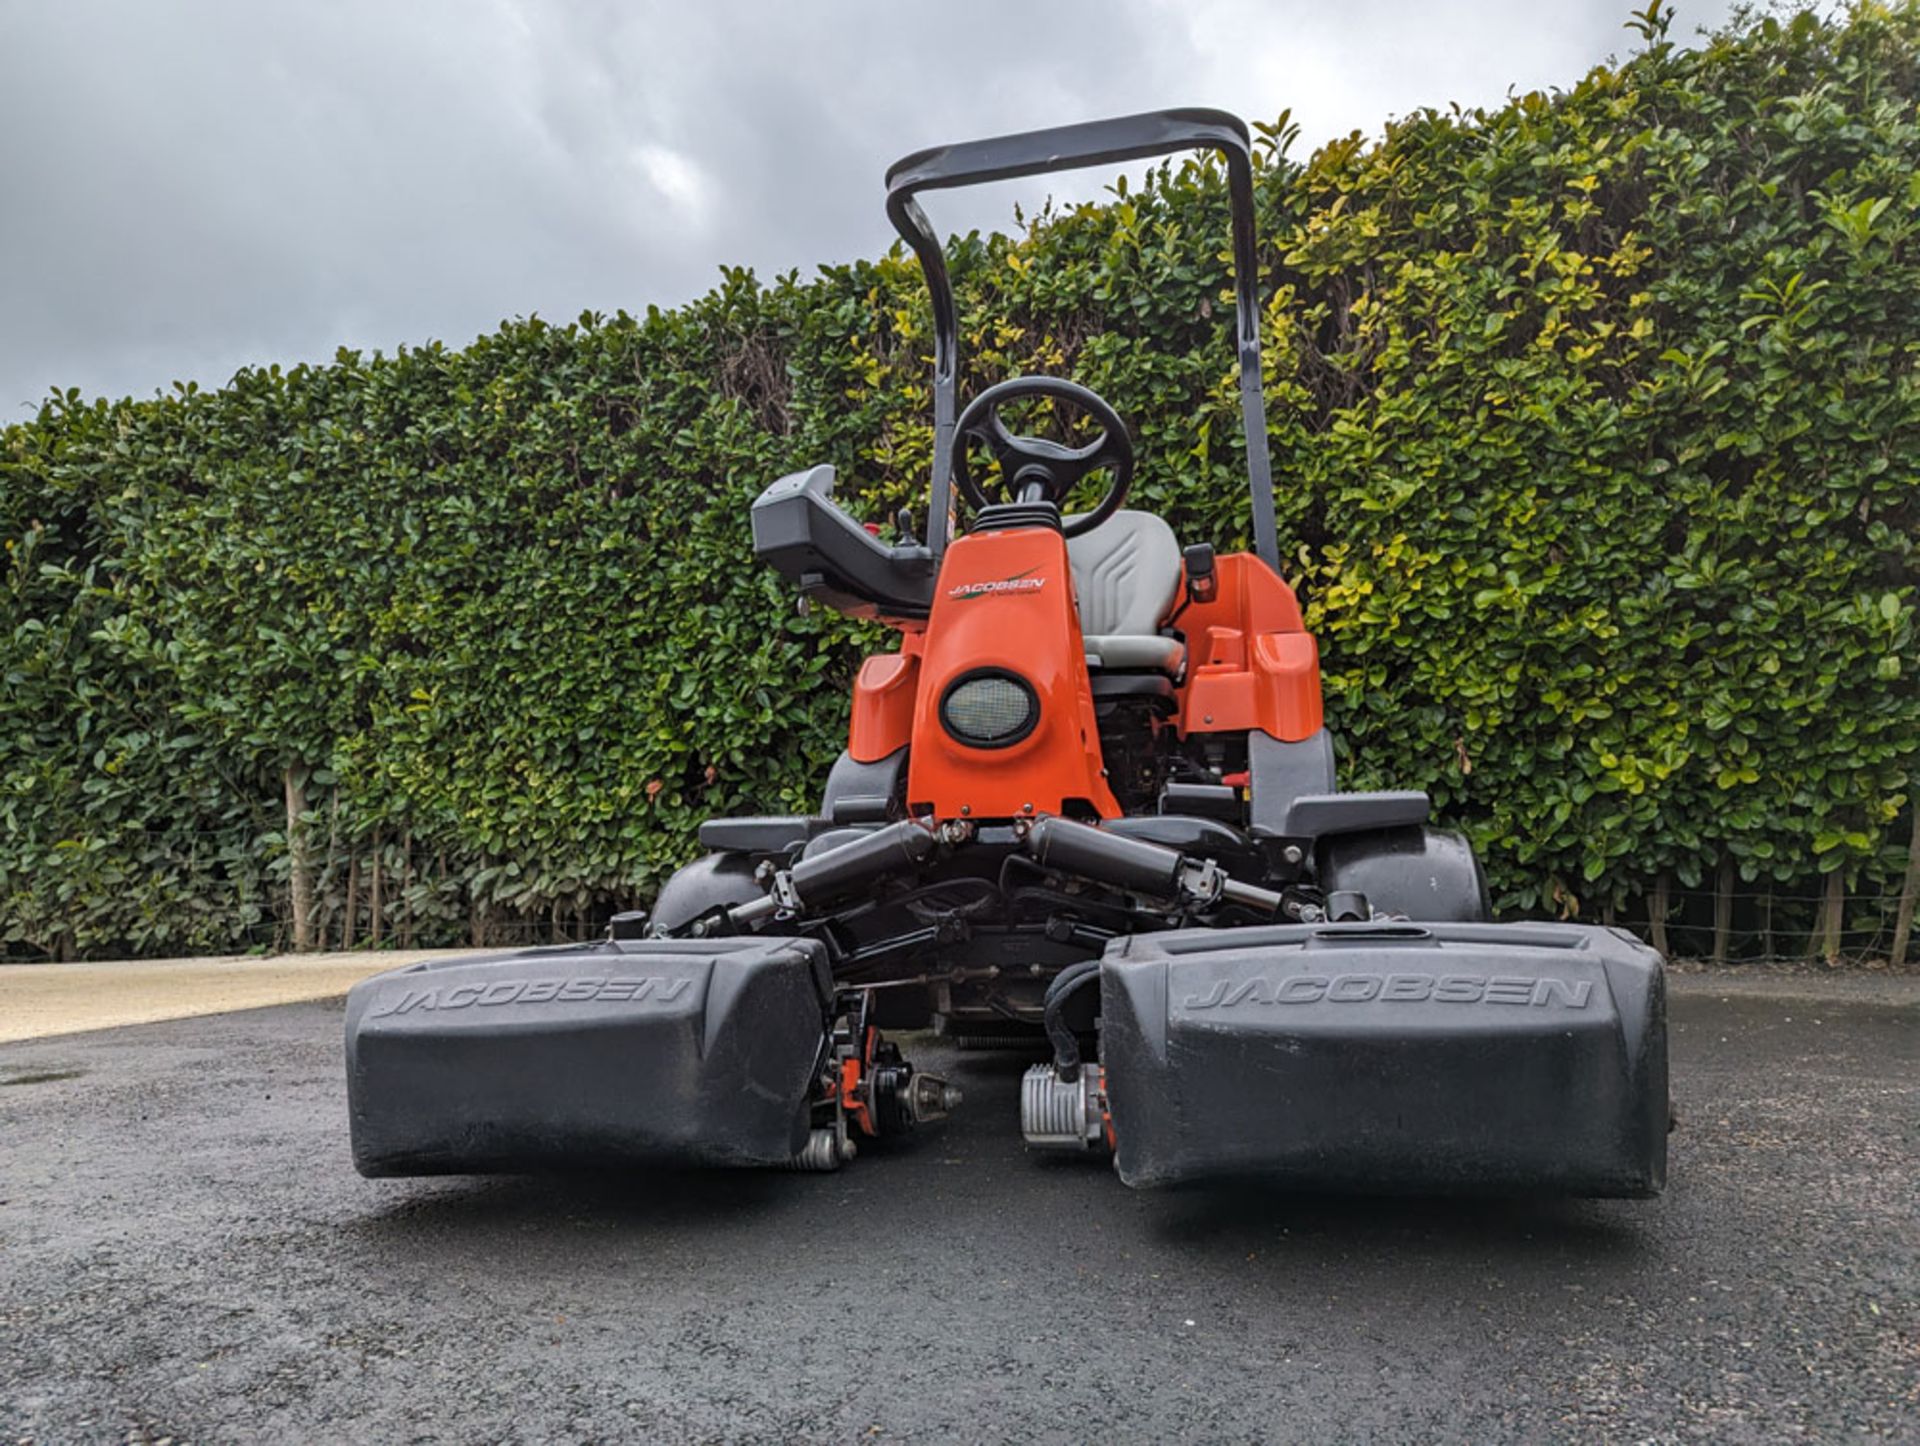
[1087,806]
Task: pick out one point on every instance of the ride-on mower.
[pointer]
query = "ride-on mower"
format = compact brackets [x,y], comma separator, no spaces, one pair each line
[1087,808]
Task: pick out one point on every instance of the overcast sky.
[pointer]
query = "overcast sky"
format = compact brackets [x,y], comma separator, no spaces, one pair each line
[186,188]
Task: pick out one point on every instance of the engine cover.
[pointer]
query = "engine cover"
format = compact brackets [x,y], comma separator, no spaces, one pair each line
[1439,1058]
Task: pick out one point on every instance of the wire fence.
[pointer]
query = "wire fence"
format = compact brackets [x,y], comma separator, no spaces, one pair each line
[1761,926]
[1753,926]
[229,888]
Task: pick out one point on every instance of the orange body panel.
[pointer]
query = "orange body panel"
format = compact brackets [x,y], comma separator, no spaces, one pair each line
[1249,596]
[1005,600]
[1252,663]
[1277,690]
[883,697]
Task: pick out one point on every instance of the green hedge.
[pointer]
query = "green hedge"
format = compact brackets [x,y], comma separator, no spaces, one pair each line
[1596,424]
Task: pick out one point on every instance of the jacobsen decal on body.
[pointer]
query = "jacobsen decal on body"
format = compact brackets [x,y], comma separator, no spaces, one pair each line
[1019,582]
[1395,989]
[539,991]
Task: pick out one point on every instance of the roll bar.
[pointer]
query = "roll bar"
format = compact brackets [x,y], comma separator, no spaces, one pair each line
[1064,148]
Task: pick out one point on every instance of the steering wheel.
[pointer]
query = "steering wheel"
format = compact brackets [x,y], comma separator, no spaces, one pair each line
[1033,469]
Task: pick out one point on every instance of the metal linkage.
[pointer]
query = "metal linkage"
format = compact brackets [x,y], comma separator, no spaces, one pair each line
[813,886]
[867,1087]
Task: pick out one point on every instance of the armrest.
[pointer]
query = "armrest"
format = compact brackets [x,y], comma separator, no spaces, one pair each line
[809,538]
[1318,814]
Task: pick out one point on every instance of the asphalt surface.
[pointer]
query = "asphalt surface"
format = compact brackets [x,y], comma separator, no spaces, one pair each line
[186,1252]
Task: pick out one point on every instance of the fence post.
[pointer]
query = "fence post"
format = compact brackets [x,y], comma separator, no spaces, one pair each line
[299,880]
[1833,912]
[1909,892]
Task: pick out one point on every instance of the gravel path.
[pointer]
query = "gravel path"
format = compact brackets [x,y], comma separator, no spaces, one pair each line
[37,1000]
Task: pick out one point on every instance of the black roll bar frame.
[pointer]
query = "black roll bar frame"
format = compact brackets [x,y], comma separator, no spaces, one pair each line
[1063,148]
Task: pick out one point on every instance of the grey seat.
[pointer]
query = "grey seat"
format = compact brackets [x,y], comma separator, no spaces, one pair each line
[1126,573]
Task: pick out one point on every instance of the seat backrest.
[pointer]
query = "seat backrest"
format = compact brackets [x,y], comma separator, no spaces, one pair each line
[1126,572]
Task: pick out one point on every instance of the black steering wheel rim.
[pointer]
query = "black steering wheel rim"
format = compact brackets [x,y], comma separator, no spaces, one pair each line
[1035,459]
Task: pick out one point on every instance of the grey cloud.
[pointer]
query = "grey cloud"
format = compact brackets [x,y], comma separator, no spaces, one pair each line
[188,188]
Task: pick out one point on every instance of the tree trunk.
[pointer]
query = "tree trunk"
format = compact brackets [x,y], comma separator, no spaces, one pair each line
[1723,911]
[326,872]
[477,909]
[350,920]
[299,876]
[1833,913]
[1909,894]
[406,888]
[1657,914]
[377,902]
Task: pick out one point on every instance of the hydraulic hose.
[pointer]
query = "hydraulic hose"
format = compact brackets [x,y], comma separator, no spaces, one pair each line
[1066,1048]
[1067,977]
